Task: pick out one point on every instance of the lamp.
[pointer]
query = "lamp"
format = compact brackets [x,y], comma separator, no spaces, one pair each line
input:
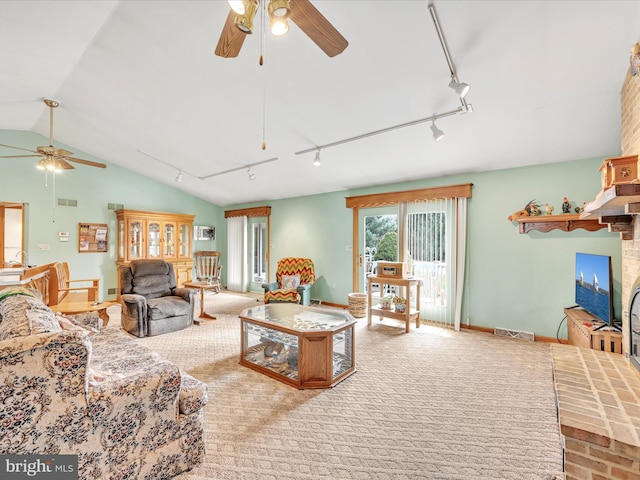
[437,133]
[461,89]
[244,22]
[179,177]
[316,161]
[252,176]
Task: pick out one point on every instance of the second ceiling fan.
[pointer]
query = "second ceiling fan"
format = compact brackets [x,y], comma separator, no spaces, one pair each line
[239,24]
[51,158]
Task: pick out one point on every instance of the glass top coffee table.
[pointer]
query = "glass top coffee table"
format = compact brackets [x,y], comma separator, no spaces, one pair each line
[304,347]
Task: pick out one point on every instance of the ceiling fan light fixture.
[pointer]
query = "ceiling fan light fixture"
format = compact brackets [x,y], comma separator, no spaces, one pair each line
[437,133]
[237,6]
[244,22]
[279,8]
[316,161]
[461,89]
[50,164]
[279,26]
[42,165]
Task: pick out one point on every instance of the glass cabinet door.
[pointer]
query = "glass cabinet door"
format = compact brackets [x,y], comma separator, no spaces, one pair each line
[169,250]
[153,240]
[121,234]
[136,232]
[184,241]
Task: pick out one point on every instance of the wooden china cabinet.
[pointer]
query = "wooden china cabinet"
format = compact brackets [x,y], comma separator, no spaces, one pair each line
[167,236]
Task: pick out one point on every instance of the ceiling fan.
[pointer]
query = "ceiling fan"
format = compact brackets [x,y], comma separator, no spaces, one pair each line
[52,159]
[239,24]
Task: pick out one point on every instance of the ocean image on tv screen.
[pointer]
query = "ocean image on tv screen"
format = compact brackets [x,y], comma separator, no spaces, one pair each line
[593,285]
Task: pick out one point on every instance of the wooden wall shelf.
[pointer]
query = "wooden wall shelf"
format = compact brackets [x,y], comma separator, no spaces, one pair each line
[566,223]
[616,207]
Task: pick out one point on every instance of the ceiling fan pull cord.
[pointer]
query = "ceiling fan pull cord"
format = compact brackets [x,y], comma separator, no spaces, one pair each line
[262,38]
[264,80]
[53,209]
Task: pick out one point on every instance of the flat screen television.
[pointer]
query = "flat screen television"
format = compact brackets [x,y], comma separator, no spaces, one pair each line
[594,286]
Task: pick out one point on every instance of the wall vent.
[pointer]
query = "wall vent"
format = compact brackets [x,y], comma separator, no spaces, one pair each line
[67,202]
[111,291]
[115,206]
[507,332]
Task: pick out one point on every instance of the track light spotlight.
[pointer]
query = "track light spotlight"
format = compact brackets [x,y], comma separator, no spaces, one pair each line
[179,177]
[437,133]
[461,89]
[252,176]
[317,161]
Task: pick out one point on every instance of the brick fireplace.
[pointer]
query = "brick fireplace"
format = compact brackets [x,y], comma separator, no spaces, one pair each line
[598,392]
[630,145]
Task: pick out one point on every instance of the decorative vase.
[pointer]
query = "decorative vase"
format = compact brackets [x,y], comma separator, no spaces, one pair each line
[400,307]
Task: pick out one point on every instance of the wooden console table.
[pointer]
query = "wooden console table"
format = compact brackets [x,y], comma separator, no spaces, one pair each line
[581,332]
[404,283]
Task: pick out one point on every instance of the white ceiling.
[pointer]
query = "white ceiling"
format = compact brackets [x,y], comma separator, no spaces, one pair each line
[136,76]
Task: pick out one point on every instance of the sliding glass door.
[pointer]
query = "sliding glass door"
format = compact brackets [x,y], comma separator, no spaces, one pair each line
[378,237]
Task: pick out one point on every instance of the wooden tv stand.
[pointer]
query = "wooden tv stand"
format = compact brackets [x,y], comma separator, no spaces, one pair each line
[581,332]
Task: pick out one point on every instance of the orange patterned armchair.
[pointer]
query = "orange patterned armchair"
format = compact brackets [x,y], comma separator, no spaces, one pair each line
[294,277]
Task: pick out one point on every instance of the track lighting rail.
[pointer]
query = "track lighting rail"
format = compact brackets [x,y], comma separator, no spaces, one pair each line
[432,118]
[244,167]
[460,88]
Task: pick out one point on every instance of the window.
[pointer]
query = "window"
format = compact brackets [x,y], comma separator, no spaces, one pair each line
[259,271]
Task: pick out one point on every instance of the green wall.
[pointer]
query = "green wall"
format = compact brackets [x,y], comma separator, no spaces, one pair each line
[512,280]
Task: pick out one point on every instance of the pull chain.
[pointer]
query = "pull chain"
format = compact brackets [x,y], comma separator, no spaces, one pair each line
[264,78]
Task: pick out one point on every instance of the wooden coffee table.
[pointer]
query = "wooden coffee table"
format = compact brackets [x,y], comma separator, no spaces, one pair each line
[72,308]
[304,347]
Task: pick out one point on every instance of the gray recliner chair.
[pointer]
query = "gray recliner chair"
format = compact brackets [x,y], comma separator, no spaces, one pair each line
[151,302]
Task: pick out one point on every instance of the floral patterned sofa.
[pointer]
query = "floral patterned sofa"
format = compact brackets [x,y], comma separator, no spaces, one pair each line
[68,388]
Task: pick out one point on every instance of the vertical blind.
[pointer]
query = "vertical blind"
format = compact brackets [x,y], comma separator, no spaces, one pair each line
[431,248]
[237,253]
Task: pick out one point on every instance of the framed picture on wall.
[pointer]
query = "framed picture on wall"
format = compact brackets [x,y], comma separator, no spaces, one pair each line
[204,232]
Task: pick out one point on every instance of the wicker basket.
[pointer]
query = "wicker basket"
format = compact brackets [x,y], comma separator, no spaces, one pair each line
[358,304]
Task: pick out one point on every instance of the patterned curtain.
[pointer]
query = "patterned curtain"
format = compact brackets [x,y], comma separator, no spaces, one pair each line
[237,254]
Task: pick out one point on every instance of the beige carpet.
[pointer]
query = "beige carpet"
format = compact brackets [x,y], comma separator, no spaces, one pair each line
[431,404]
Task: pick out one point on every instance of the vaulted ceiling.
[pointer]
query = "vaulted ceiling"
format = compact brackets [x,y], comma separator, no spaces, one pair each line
[140,87]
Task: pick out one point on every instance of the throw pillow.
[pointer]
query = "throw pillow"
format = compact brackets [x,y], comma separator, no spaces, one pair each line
[290,282]
[24,315]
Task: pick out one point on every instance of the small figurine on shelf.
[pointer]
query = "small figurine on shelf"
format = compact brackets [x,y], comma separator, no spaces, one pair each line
[526,211]
[566,205]
[535,210]
[548,209]
[580,209]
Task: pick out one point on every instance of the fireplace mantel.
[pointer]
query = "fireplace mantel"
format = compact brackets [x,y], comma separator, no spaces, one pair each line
[616,207]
